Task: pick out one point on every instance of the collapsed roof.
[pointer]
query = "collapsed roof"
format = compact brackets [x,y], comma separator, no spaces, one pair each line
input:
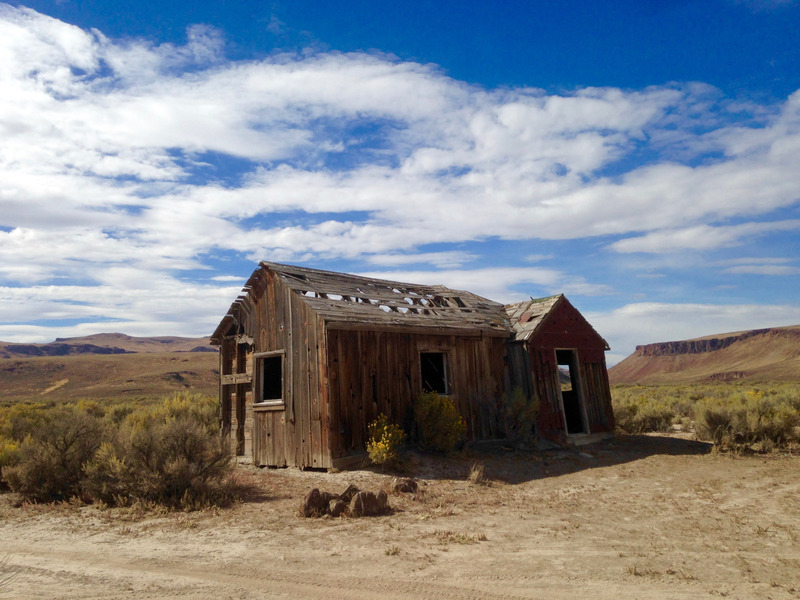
[347,301]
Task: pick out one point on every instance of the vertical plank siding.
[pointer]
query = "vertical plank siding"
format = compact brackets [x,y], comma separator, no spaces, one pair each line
[225,392]
[601,414]
[355,399]
[546,387]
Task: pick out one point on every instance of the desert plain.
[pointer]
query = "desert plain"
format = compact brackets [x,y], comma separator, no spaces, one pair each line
[648,516]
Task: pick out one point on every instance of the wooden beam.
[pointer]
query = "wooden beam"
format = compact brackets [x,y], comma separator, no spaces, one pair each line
[474,332]
[236,378]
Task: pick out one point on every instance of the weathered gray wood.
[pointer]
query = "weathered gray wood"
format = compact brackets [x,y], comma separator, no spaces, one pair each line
[236,378]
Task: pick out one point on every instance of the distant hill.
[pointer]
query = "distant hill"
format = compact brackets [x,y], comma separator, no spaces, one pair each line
[107,343]
[107,365]
[758,355]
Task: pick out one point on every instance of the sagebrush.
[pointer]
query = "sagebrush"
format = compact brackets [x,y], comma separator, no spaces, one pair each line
[519,416]
[749,420]
[50,460]
[734,416]
[169,454]
[441,426]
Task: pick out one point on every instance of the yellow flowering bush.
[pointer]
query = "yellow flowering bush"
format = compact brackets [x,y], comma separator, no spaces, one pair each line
[384,441]
[9,451]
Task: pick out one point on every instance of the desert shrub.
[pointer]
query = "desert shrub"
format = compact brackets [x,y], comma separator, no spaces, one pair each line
[385,440]
[117,413]
[168,455]
[751,419]
[9,452]
[441,426]
[642,414]
[715,423]
[641,409]
[519,415]
[202,409]
[729,414]
[19,420]
[107,476]
[51,458]
[91,407]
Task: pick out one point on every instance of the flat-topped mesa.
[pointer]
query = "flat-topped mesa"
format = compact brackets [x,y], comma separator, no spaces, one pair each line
[58,349]
[709,344]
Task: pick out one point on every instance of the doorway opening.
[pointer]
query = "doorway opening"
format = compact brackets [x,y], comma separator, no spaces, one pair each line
[569,380]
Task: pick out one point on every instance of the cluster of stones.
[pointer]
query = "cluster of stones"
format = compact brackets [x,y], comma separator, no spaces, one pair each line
[353,502]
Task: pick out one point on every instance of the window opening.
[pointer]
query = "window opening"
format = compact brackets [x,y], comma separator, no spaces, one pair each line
[269,373]
[434,372]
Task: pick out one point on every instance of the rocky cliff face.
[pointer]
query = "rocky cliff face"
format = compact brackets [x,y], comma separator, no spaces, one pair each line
[56,349]
[771,354]
[696,346]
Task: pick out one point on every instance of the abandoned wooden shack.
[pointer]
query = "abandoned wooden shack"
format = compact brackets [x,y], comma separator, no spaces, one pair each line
[308,358]
[558,357]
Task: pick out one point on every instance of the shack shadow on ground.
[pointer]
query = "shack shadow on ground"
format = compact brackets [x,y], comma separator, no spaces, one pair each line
[518,466]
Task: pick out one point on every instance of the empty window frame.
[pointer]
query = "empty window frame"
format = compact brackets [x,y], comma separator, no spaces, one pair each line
[433,367]
[270,389]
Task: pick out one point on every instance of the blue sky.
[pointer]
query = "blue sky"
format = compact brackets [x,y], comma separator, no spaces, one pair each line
[641,157]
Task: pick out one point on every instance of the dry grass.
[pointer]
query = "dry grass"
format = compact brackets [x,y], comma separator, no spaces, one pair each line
[477,474]
[138,378]
[445,536]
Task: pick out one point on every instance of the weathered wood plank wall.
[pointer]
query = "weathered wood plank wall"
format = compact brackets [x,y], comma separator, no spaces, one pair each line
[374,372]
[601,414]
[292,434]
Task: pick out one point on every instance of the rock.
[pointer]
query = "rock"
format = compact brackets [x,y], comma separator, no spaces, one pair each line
[318,504]
[383,502]
[336,507]
[314,504]
[363,504]
[368,504]
[328,496]
[405,485]
[348,494]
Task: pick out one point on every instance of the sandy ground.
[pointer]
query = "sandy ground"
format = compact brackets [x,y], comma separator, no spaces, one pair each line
[637,517]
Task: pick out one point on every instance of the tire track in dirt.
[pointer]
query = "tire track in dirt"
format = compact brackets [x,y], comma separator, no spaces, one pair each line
[123,576]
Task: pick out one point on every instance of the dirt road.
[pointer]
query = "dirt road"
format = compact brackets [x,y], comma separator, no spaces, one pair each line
[638,517]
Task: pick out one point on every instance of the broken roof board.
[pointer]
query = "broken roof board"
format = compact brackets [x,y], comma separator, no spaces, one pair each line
[352,301]
[528,316]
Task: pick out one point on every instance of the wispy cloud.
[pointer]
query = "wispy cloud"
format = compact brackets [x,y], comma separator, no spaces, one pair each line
[701,237]
[442,260]
[761,266]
